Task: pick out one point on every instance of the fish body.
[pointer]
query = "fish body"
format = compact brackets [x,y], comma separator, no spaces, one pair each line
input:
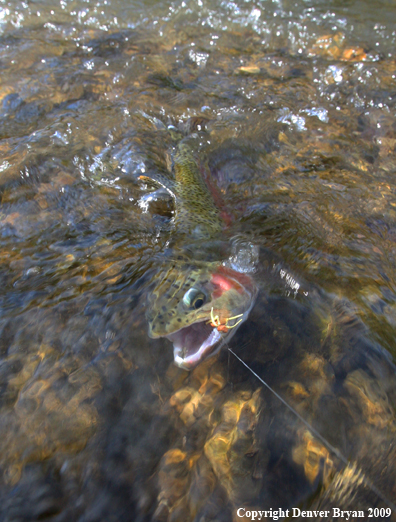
[197,302]
[196,212]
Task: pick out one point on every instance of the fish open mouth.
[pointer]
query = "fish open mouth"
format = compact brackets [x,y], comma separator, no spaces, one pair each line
[192,343]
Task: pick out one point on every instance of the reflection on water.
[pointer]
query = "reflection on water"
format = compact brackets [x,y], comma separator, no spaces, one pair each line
[96,422]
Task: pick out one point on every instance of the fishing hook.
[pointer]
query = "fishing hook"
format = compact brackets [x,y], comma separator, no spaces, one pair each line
[215,322]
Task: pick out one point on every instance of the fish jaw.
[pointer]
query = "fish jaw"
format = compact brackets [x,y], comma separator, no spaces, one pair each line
[203,341]
[208,341]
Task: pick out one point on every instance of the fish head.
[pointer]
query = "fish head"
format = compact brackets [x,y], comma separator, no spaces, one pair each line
[199,308]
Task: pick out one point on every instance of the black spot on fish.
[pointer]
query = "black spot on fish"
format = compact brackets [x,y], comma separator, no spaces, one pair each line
[179,320]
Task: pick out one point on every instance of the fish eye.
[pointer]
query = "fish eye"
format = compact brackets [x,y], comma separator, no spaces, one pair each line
[194,298]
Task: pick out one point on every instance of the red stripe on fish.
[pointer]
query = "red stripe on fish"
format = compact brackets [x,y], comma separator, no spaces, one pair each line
[226,279]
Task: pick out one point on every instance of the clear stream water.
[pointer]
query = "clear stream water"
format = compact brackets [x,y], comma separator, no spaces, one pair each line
[96,422]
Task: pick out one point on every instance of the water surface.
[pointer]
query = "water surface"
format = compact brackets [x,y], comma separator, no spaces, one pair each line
[96,422]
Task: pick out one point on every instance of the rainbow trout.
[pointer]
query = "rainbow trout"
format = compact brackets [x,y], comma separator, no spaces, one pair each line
[197,302]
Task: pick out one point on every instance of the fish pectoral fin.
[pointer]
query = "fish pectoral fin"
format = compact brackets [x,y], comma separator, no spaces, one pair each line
[157,180]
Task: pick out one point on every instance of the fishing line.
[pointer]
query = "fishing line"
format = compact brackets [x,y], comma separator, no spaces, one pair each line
[327,444]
